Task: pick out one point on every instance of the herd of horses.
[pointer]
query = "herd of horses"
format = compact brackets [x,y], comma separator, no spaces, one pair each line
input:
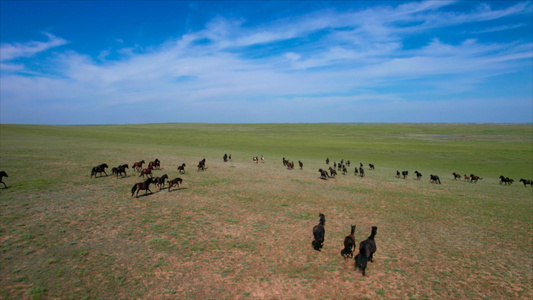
[367,248]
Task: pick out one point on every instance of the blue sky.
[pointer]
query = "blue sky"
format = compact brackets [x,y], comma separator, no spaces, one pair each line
[120,62]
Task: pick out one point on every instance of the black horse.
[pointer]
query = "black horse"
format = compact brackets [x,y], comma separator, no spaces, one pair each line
[181,168]
[371,166]
[323,174]
[225,157]
[201,165]
[141,186]
[332,172]
[349,244]
[175,181]
[301,164]
[361,172]
[319,233]
[122,170]
[474,178]
[99,169]
[434,179]
[2,175]
[418,175]
[327,161]
[526,182]
[404,174]
[367,248]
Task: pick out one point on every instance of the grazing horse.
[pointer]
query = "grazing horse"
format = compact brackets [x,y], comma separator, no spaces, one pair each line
[418,175]
[175,181]
[141,186]
[147,171]
[349,244]
[456,176]
[434,179]
[404,174]
[301,164]
[2,175]
[137,166]
[526,182]
[371,166]
[332,172]
[181,168]
[474,178]
[361,172]
[367,248]
[160,181]
[99,169]
[323,174]
[319,232]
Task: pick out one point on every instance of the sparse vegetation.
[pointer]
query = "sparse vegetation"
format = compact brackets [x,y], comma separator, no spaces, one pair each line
[240,229]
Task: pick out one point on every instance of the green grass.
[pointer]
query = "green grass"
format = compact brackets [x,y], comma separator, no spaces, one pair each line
[241,230]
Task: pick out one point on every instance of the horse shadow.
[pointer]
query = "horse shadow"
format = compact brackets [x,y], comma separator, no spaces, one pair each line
[178,189]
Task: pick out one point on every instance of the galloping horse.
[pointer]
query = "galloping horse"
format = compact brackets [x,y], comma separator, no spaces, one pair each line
[122,169]
[434,179]
[332,172]
[2,175]
[404,174]
[181,168]
[160,181]
[526,182]
[466,177]
[137,166]
[175,181]
[371,166]
[99,169]
[146,172]
[156,164]
[361,172]
[474,178]
[201,165]
[455,176]
[301,164]
[323,174]
[141,186]
[418,175]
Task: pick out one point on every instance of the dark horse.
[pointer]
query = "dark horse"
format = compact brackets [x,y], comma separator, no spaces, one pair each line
[371,166]
[404,174]
[474,178]
[526,182]
[160,181]
[349,244]
[455,176]
[201,165]
[434,179]
[367,248]
[175,181]
[181,168]
[332,172]
[146,172]
[361,172]
[323,174]
[319,232]
[141,186]
[121,170]
[99,169]
[2,175]
[418,175]
[301,164]
[156,164]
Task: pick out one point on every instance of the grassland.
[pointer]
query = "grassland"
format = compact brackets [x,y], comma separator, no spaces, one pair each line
[243,230]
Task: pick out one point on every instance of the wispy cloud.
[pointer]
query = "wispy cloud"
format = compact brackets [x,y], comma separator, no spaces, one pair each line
[308,63]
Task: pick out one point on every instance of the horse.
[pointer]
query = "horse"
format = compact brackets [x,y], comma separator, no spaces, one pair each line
[225,157]
[356,171]
[434,179]
[301,164]
[175,181]
[526,182]
[347,163]
[160,181]
[201,165]
[99,169]
[137,166]
[290,165]
[323,174]
[146,172]
[361,172]
[344,170]
[2,175]
[404,174]
[181,168]
[474,178]
[256,160]
[327,160]
[418,175]
[262,159]
[505,180]
[332,172]
[141,186]
[319,232]
[397,174]
[371,166]
[466,178]
[455,176]
[122,169]
[229,157]
[349,244]
[154,164]
[367,248]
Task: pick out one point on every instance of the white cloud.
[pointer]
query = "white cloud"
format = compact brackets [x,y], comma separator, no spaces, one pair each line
[13,51]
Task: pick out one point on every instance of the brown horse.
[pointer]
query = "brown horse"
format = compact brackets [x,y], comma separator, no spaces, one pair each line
[2,175]
[137,166]
[456,176]
[323,174]
[141,186]
[156,164]
[146,172]
[175,181]
[160,181]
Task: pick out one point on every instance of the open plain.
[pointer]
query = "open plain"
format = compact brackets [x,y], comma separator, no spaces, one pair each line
[243,230]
